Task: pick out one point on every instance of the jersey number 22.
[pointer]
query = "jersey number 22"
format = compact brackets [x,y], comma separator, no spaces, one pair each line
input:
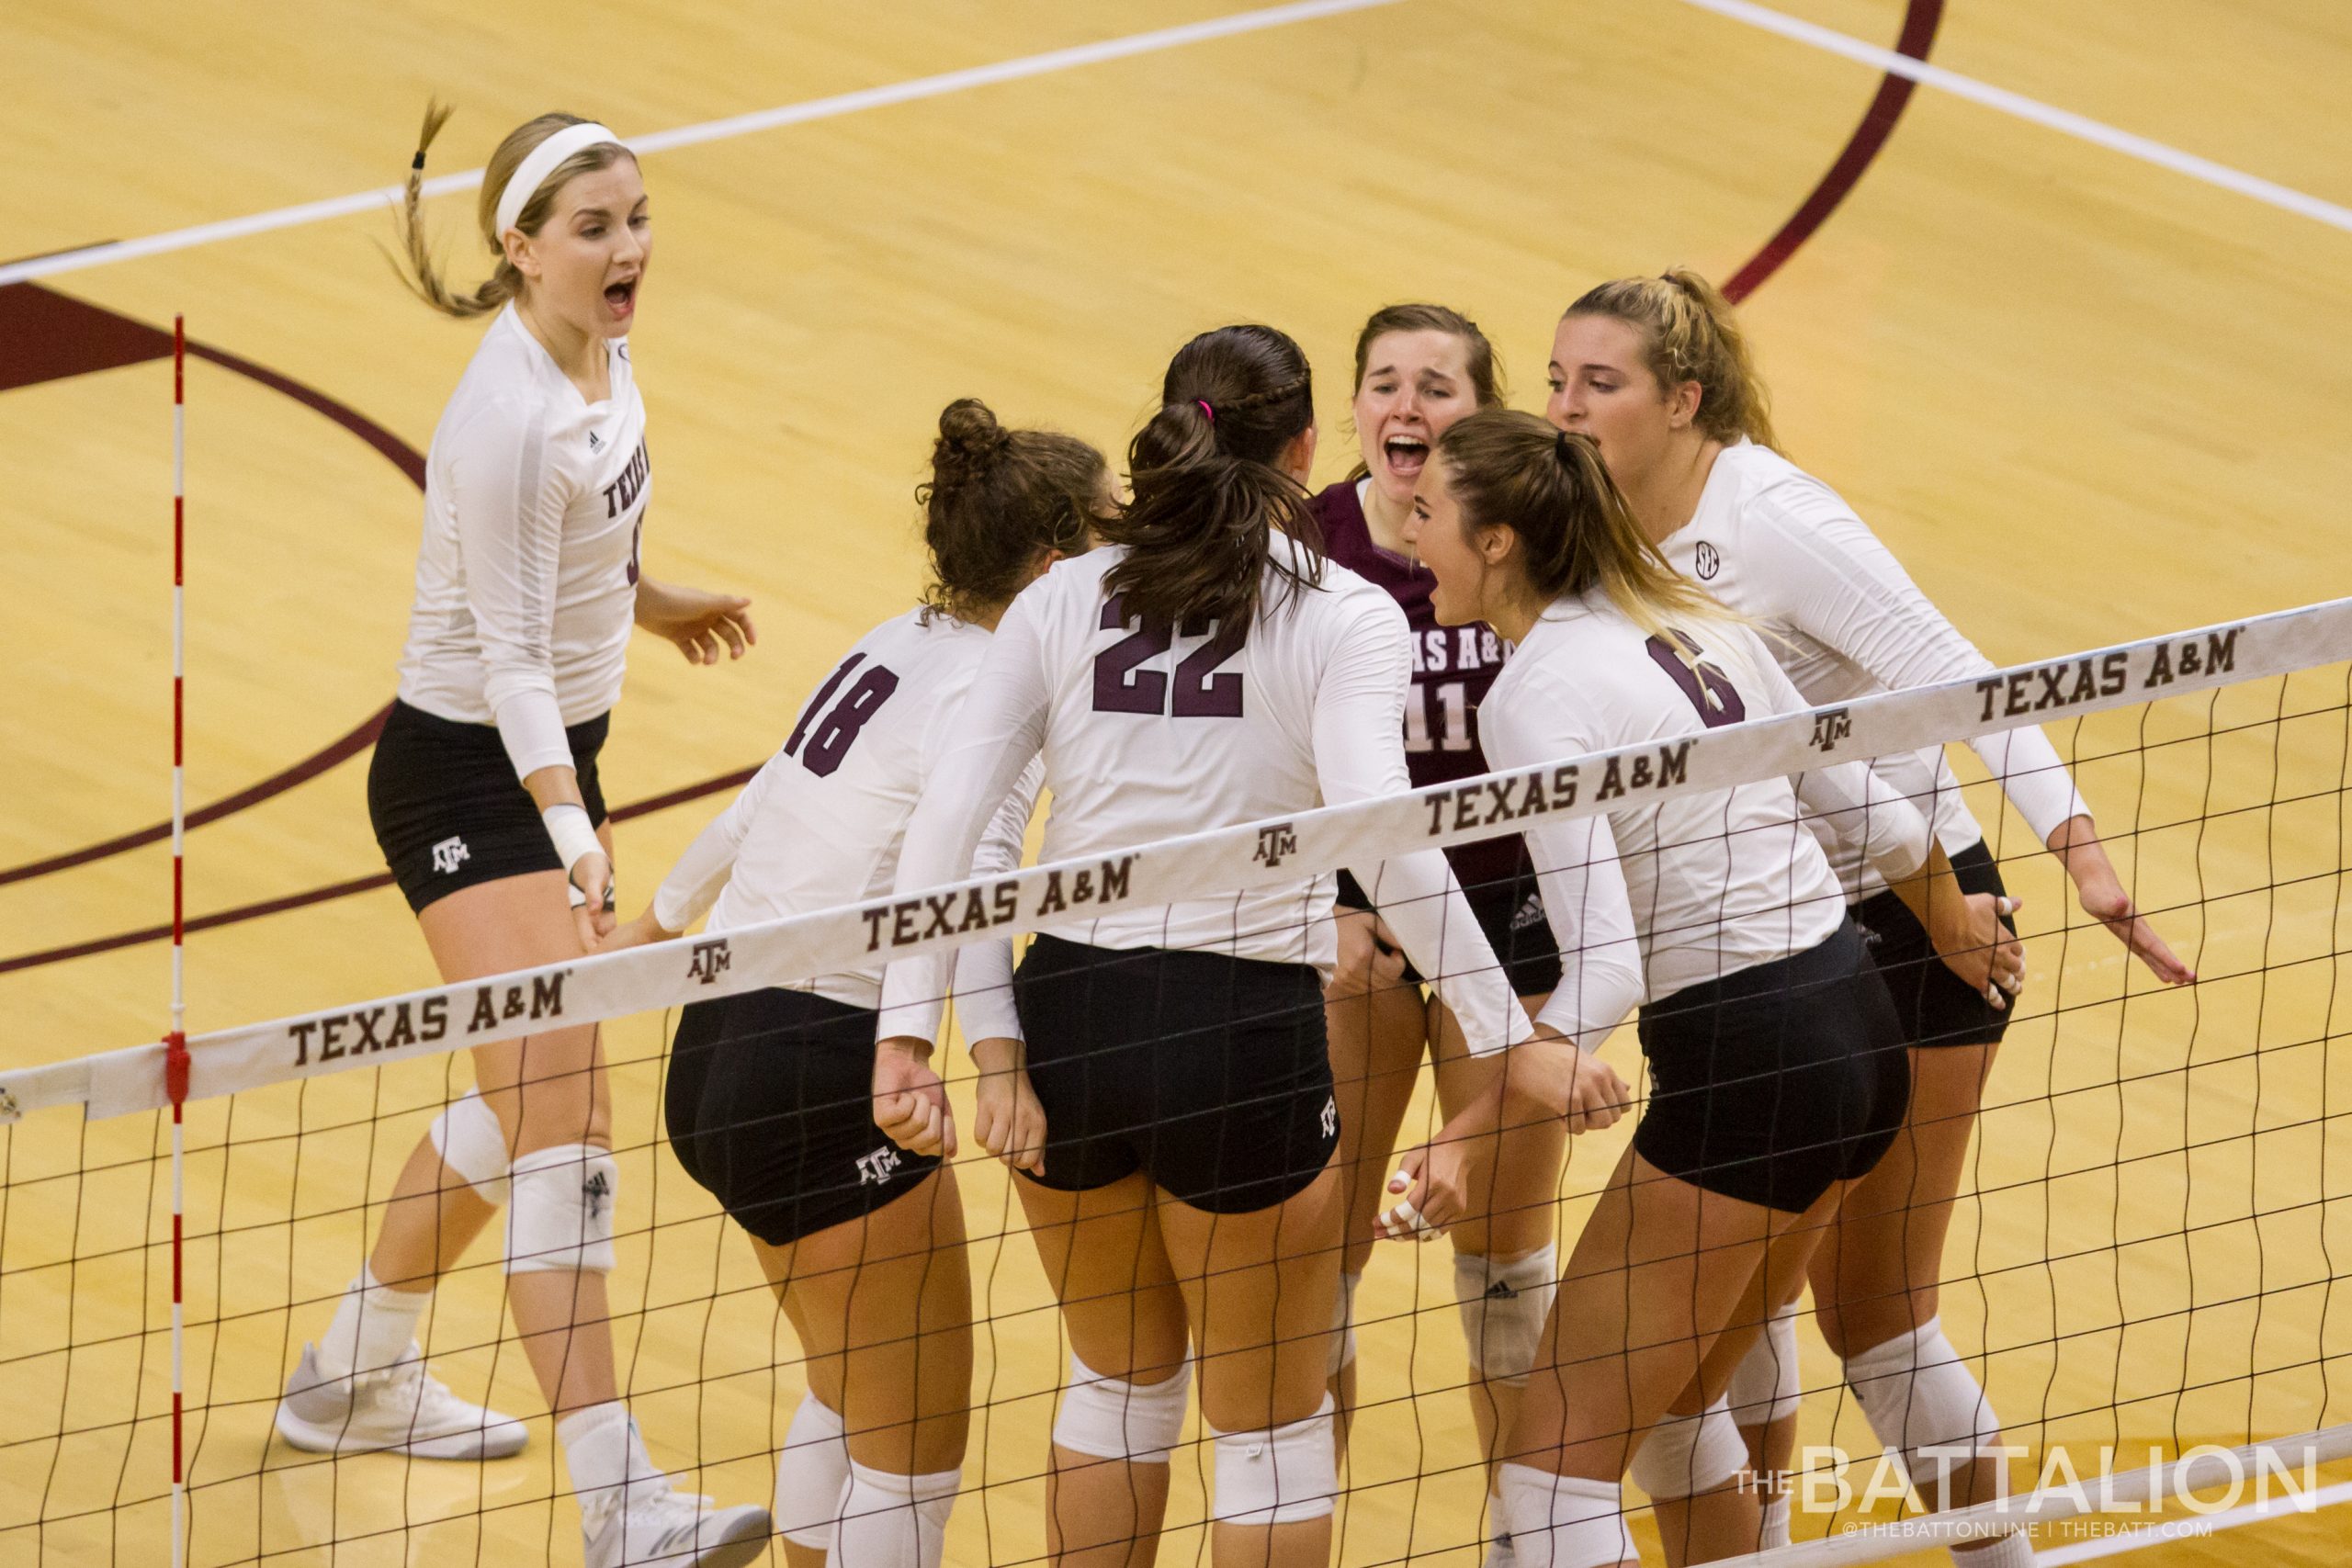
[1121,686]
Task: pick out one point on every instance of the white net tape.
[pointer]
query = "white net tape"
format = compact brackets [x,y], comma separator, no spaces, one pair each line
[501,1007]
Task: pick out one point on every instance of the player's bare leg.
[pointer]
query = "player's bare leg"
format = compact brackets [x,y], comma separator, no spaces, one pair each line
[1506,1257]
[1658,1275]
[1874,1285]
[1258,1289]
[883,1306]
[1377,1039]
[1102,1253]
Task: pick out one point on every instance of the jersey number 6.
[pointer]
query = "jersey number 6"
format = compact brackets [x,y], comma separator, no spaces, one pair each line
[1121,686]
[1708,688]
[837,730]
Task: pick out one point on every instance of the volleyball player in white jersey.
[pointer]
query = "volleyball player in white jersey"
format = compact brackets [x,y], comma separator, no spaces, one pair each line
[485,799]
[1656,371]
[769,1092]
[1776,1070]
[1208,668]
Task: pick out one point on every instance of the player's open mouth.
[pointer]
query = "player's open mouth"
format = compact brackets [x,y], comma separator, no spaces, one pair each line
[622,297]
[1405,454]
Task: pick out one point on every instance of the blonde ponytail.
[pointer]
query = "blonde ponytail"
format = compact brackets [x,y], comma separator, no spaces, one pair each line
[423,274]
[1691,335]
[1514,470]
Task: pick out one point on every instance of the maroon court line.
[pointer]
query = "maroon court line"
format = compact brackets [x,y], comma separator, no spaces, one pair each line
[1920,20]
[335,890]
[141,342]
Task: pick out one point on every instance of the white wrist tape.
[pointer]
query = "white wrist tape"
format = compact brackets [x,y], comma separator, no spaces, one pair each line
[572,834]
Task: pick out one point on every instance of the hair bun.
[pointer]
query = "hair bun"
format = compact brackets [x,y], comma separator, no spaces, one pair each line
[970,442]
[968,427]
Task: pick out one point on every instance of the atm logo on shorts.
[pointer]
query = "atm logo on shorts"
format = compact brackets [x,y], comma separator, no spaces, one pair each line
[711,959]
[1274,844]
[876,1169]
[449,855]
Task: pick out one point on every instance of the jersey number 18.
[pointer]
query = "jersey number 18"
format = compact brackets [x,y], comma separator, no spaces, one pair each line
[837,731]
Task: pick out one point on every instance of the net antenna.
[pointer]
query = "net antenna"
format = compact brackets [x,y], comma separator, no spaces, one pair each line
[175,1057]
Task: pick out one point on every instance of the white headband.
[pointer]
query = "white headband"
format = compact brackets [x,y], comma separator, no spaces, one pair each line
[540,162]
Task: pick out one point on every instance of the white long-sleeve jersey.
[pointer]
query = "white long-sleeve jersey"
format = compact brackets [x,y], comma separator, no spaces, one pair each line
[820,824]
[1650,898]
[1845,620]
[1147,735]
[526,580]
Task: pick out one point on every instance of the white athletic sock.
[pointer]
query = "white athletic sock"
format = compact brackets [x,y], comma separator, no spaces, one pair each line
[1776,1524]
[374,1326]
[894,1521]
[2007,1552]
[607,1460]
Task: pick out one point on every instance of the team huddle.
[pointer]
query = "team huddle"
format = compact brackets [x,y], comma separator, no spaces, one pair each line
[1202,1102]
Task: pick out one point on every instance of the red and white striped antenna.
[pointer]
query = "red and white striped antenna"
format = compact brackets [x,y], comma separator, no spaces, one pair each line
[176,1043]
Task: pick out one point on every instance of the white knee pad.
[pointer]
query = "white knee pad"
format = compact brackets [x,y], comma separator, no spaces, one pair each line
[1111,1419]
[1924,1404]
[562,1218]
[1689,1456]
[471,1142]
[1503,1309]
[1765,1386]
[894,1521]
[1343,1327]
[1277,1475]
[1564,1522]
[811,1475]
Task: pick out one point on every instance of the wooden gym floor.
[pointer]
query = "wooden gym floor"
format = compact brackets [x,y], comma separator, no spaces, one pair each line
[2085,395]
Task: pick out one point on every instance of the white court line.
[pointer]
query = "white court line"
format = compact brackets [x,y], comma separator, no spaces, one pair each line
[2065,121]
[2193,1526]
[710,130]
[2061,120]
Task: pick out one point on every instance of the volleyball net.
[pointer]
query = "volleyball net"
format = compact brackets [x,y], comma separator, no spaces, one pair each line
[2142,1270]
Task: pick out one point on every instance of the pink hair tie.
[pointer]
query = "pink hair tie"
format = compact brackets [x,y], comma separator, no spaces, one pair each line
[1206,409]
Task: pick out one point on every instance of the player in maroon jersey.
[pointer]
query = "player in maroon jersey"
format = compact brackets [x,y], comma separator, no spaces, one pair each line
[1418,368]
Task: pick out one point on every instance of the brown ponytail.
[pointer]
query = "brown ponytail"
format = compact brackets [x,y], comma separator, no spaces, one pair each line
[996,499]
[1514,470]
[422,274]
[1199,531]
[1691,335]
